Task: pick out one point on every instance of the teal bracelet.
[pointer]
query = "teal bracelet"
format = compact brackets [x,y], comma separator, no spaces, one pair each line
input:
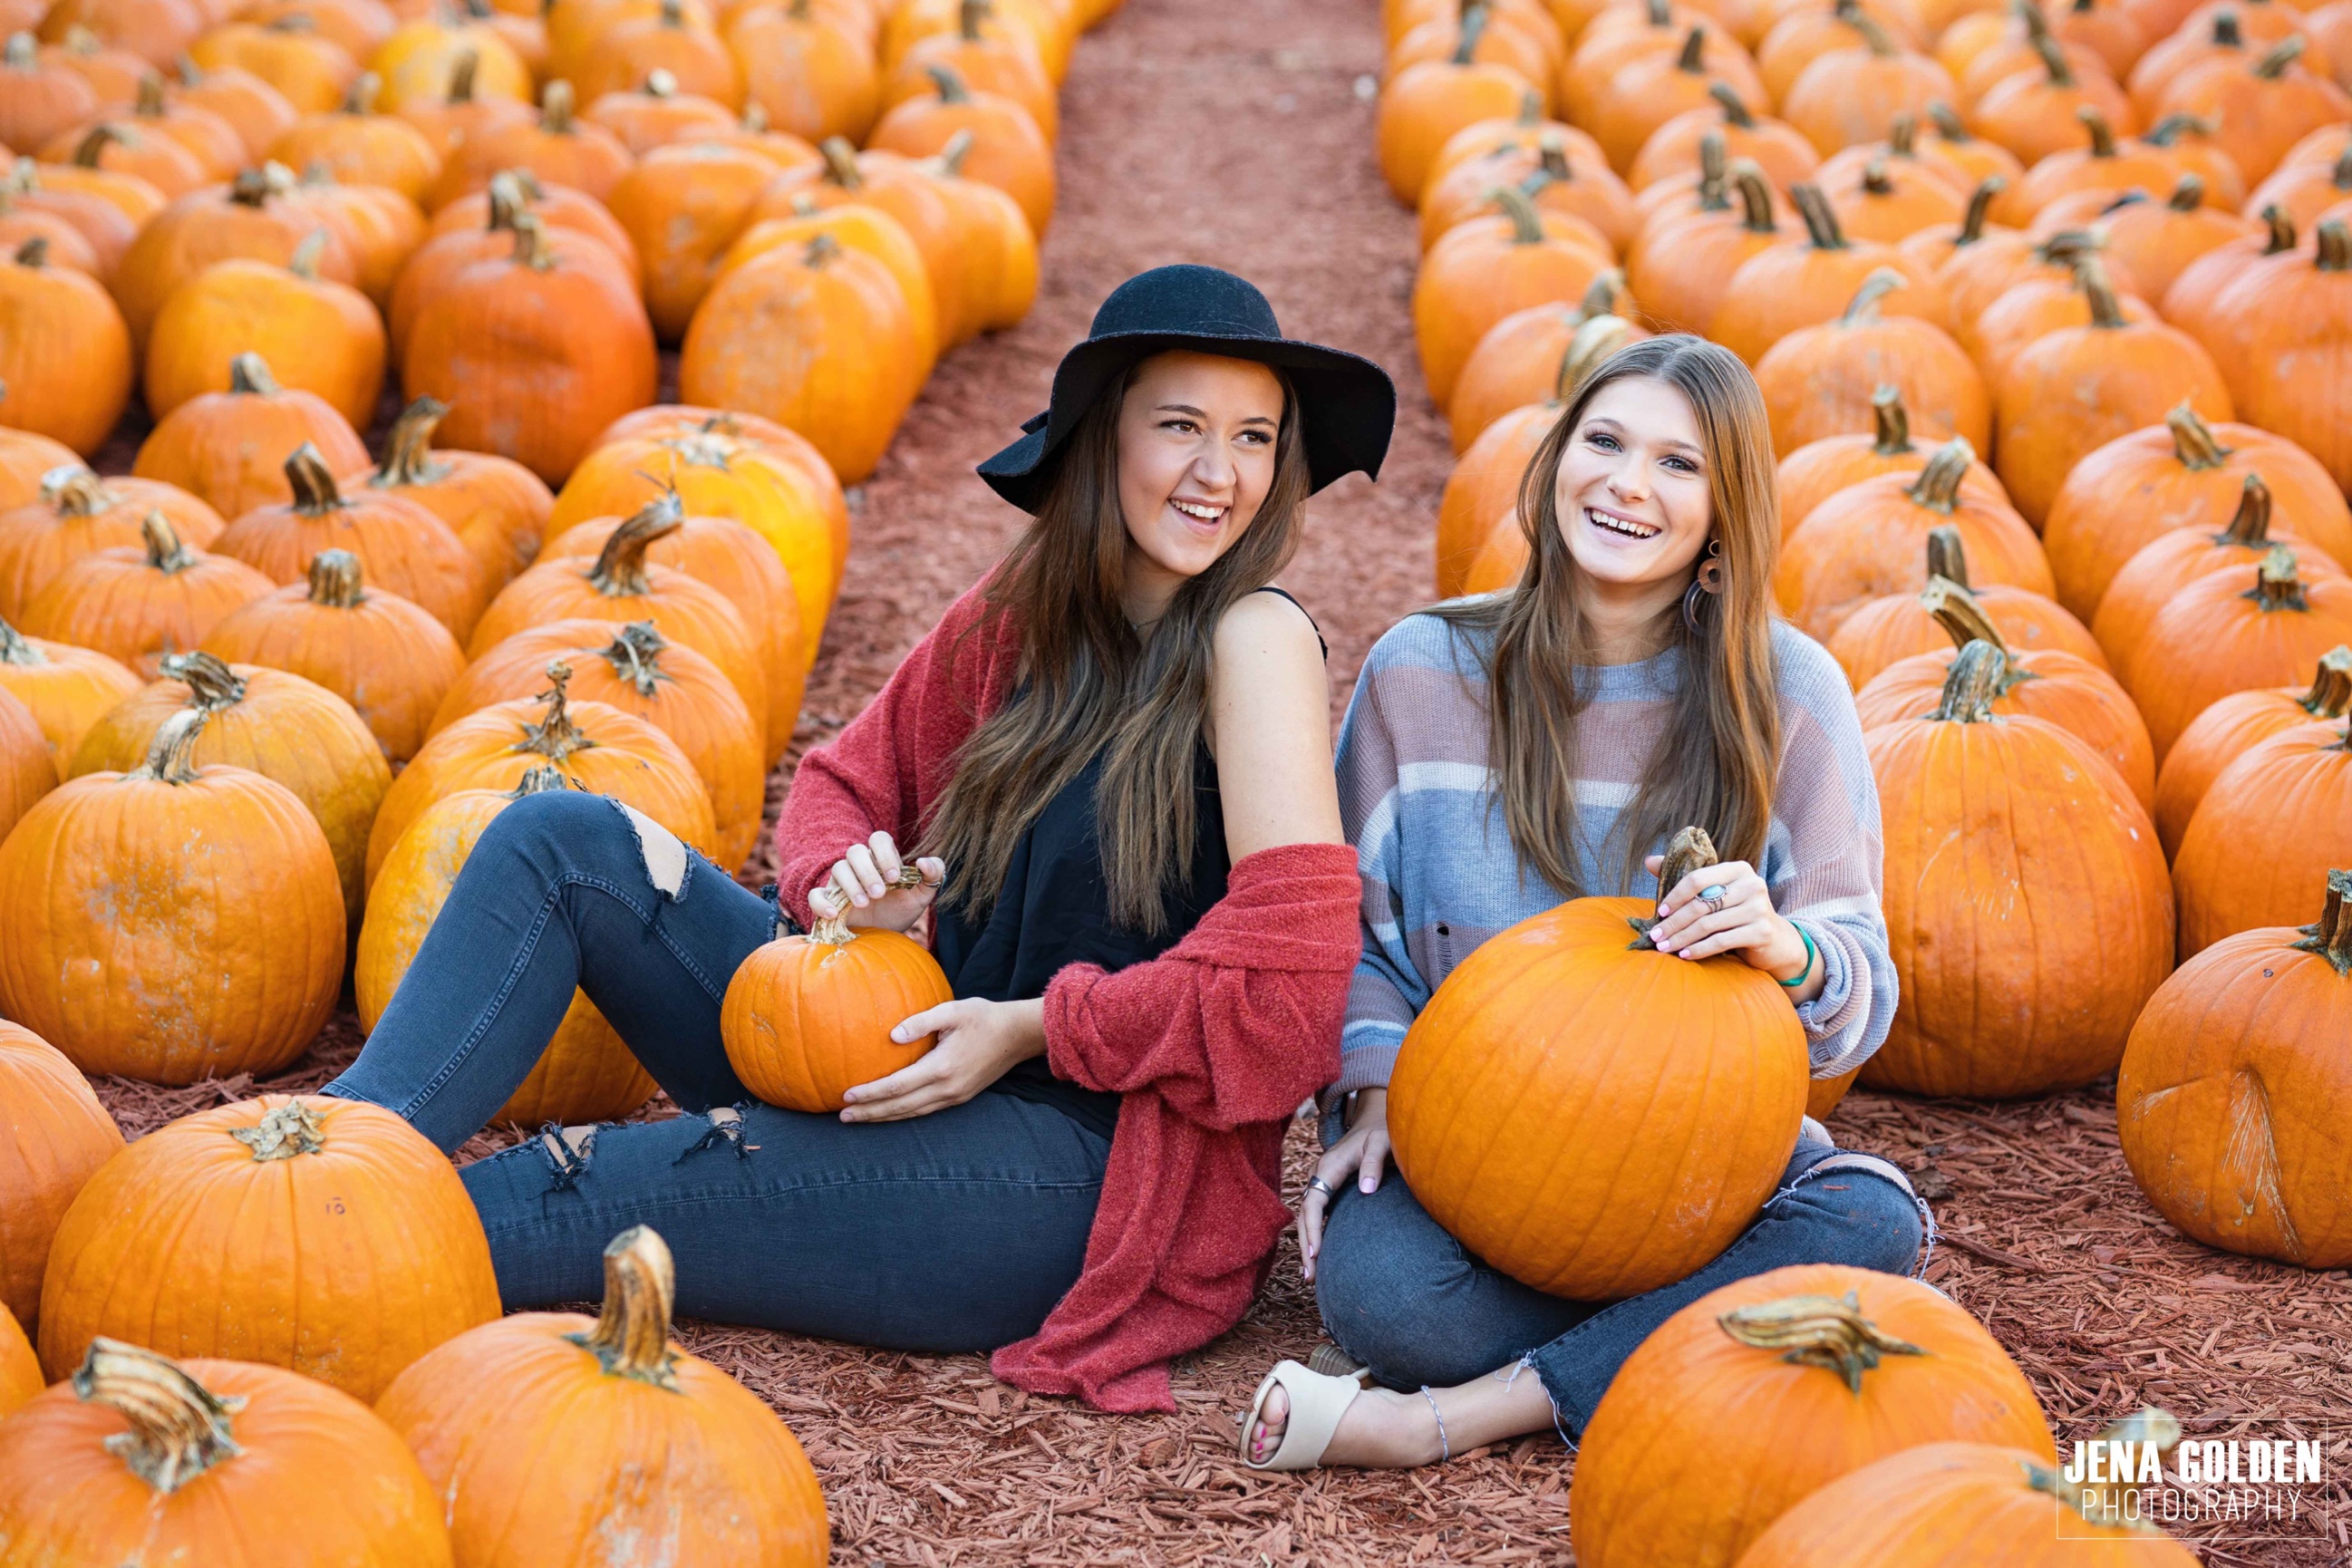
[1811,953]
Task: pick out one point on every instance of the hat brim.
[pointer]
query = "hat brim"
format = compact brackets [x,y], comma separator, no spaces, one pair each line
[1347,404]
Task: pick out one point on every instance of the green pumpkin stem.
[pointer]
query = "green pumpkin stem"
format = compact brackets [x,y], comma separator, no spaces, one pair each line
[1876,179]
[1692,61]
[634,654]
[2106,310]
[211,684]
[1903,136]
[286,1132]
[2187,196]
[1893,421]
[2169,129]
[951,157]
[1938,488]
[970,16]
[338,581]
[1969,688]
[1603,295]
[1551,159]
[1820,222]
[408,450]
[2334,244]
[17,650]
[1972,222]
[171,756]
[92,146]
[179,1429]
[1948,123]
[1527,224]
[2280,55]
[2054,61]
[2283,233]
[2250,525]
[1826,1331]
[1473,28]
[539,781]
[2331,935]
[1714,189]
[631,1337]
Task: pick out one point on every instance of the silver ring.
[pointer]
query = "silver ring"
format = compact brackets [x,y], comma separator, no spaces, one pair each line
[1317,1184]
[1713,898]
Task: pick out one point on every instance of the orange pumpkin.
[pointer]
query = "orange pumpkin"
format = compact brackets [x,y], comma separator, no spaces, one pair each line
[77,514]
[460,111]
[596,747]
[1775,146]
[1854,1365]
[683,207]
[65,689]
[989,62]
[2181,474]
[381,654]
[586,1074]
[1907,157]
[1632,105]
[1850,96]
[999,254]
[657,114]
[65,353]
[2229,1105]
[2104,164]
[809,74]
[1898,626]
[138,604]
[558,147]
[2046,298]
[1007,150]
[2033,112]
[230,448]
[257,111]
[2306,191]
[320,335]
[40,191]
[203,873]
[2284,331]
[27,770]
[425,57]
[909,192]
[361,147]
[559,207]
[25,461]
[2235,725]
[1485,269]
[2188,304]
[1879,202]
[2281,809]
[1554,177]
[856,226]
[138,1456]
[2157,241]
[256,217]
[549,1434]
[2034,995]
[1518,359]
[312,72]
[1679,266]
[683,47]
[1821,467]
[2260,108]
[1822,379]
[53,1135]
[496,506]
[40,99]
[1800,282]
[1425,104]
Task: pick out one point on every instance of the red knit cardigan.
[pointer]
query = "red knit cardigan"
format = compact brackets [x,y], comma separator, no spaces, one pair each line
[1211,1045]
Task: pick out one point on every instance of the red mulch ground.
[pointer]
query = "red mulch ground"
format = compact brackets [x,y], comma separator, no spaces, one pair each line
[1238,135]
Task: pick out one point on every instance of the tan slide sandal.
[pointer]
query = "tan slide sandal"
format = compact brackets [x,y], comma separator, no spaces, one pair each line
[1318,1401]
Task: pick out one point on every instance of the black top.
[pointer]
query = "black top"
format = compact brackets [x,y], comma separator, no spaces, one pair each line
[1054,909]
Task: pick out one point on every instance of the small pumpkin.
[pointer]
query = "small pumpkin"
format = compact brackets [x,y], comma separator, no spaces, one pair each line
[1425,104]
[257,111]
[683,207]
[53,1134]
[40,99]
[1880,202]
[558,147]
[311,71]
[1485,269]
[1822,379]
[104,209]
[2157,241]
[809,74]
[220,894]
[586,1074]
[2228,1103]
[137,604]
[323,336]
[1630,106]
[989,62]
[1775,146]
[65,688]
[496,506]
[1850,96]
[1828,464]
[2283,328]
[2260,108]
[2033,112]
[684,47]
[2266,820]
[1853,1364]
[656,113]
[1517,361]
[559,207]
[254,217]
[549,1434]
[905,189]
[1804,281]
[596,746]
[381,227]
[2235,725]
[65,353]
[2028,993]
[463,110]
[79,513]
[2044,300]
[230,448]
[1007,151]
[1911,157]
[1000,251]
[231,1232]
[1494,1057]
[807,1017]
[381,654]
[134,1455]
[2189,302]
[1896,627]
[1551,174]
[856,226]
[1678,265]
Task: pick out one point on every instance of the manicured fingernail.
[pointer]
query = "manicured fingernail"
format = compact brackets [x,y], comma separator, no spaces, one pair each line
[1664,911]
[899,1035]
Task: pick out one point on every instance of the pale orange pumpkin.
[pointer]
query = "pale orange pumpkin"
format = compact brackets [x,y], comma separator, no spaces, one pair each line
[2280,810]
[65,688]
[656,113]
[1679,265]
[230,448]
[558,147]
[2235,725]
[1426,103]
[317,334]
[496,506]
[65,353]
[137,604]
[1822,379]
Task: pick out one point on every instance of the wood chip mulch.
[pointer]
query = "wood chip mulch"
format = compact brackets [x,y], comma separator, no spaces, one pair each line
[1240,135]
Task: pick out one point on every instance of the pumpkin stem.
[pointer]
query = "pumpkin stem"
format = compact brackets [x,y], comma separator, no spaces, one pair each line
[147,101]
[1948,558]
[2193,441]
[1938,488]
[2329,698]
[2054,59]
[2280,55]
[1688,850]
[172,754]
[2283,235]
[1863,309]
[1527,224]
[337,580]
[635,655]
[1964,621]
[841,163]
[211,684]
[755,119]
[632,1335]
[1714,195]
[408,450]
[951,85]
[970,14]
[555,108]
[1593,343]
[291,1129]
[304,262]
[660,83]
[164,551]
[1551,160]
[15,650]
[1531,110]
[2106,310]
[250,372]
[364,92]
[1893,420]
[33,252]
[314,484]
[1603,295]
[1875,180]
[2111,1503]
[2331,935]
[507,201]
[2334,245]
[1660,13]
[1474,27]
[1755,198]
[2188,194]
[462,71]
[1948,123]
[1972,222]
[2276,586]
[1692,58]
[539,781]
[2172,127]
[621,565]
[1873,36]
[92,146]
[1903,136]
[1975,679]
[555,736]
[958,147]
[530,245]
[1826,1331]
[2250,525]
[1735,112]
[2227,34]
[21,54]
[74,491]
[251,187]
[1820,222]
[2103,135]
[179,1429]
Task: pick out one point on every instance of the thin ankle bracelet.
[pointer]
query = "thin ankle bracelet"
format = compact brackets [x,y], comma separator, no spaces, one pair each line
[1445,1448]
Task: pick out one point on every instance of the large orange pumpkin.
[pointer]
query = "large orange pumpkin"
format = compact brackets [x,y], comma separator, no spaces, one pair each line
[53,1134]
[1823,380]
[1426,103]
[1745,1402]
[78,514]
[2284,330]
[320,1234]
[66,688]
[1007,149]
[219,896]
[586,1074]
[807,1017]
[1517,361]
[683,206]
[140,1458]
[1804,281]
[596,746]
[1899,626]
[20,1369]
[1571,183]
[1679,265]
[2028,906]
[1572,1016]
[811,76]
[2157,241]
[2231,1103]
[320,335]
[230,448]
[495,504]
[26,771]
[272,722]
[548,1434]
[1821,467]
[2232,631]
[909,191]
[64,350]
[2270,816]
[138,604]
[255,216]
[2235,725]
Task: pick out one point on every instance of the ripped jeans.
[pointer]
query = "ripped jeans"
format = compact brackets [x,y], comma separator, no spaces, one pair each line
[956,1231]
[1400,1295]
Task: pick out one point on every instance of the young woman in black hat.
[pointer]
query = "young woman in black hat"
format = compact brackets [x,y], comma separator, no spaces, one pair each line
[1108,769]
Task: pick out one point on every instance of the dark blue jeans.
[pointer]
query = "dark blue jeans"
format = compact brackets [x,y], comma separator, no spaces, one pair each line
[957,1231]
[1401,1295]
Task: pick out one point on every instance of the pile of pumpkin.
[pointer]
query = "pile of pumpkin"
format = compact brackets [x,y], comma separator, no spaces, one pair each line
[342,186]
[2051,310]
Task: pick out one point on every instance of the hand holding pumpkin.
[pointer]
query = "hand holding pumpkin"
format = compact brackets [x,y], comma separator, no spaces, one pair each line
[1739,919]
[873,887]
[980,1041]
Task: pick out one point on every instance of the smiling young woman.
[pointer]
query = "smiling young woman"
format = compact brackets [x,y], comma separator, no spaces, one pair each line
[1633,681]
[1108,765]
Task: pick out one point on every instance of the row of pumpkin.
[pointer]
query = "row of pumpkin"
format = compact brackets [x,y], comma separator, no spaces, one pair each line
[2117,638]
[522,265]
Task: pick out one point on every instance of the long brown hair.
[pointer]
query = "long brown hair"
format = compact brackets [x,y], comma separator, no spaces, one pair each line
[1715,760]
[1088,681]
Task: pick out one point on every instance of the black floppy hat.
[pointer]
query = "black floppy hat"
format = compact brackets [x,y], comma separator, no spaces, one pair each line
[1347,404]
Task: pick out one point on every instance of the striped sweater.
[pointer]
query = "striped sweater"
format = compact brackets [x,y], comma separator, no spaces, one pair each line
[1439,875]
